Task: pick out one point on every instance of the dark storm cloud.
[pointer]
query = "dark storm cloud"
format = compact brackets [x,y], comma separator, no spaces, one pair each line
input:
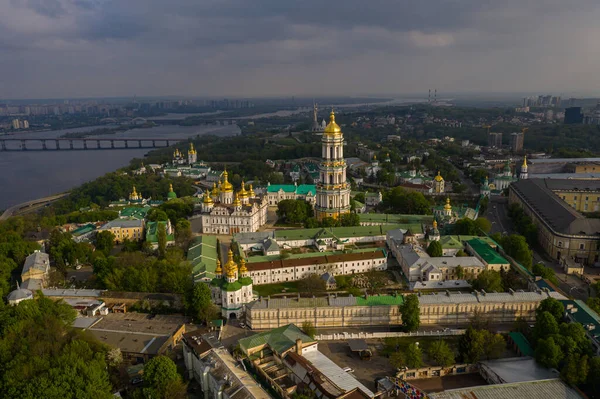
[111,47]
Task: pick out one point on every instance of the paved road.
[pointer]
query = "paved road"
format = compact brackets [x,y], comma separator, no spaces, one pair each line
[30,205]
[466,181]
[501,223]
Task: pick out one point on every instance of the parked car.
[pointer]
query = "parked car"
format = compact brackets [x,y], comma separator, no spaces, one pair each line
[348,370]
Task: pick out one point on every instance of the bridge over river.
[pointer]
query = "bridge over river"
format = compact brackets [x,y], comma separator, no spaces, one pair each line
[78,144]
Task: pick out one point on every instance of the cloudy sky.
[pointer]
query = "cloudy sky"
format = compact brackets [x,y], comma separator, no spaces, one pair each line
[70,48]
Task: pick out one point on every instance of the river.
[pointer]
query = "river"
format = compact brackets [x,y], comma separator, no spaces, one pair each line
[29,175]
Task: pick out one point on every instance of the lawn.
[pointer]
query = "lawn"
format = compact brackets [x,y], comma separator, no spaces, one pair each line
[278,288]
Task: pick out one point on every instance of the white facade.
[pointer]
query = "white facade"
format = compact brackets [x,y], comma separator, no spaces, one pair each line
[333,192]
[222,212]
[298,269]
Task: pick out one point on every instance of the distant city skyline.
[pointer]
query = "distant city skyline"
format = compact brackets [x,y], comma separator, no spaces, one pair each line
[268,48]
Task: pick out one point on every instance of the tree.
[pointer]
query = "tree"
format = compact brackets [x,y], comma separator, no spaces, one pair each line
[545,326]
[435,249]
[294,211]
[413,356]
[471,345]
[575,370]
[489,281]
[483,224]
[552,306]
[67,363]
[461,253]
[105,241]
[548,353]
[360,197]
[201,304]
[183,233]
[159,372]
[593,378]
[312,284]
[161,234]
[411,317]
[397,360]
[376,280]
[545,272]
[465,226]
[309,329]
[494,345]
[516,246]
[441,353]
[114,357]
[350,219]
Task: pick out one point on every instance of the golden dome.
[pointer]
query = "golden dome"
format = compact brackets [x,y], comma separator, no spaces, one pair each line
[251,193]
[236,201]
[243,268]
[525,161]
[243,193]
[434,224]
[207,199]
[215,190]
[218,270]
[439,177]
[447,207]
[134,195]
[230,266]
[226,186]
[192,150]
[332,127]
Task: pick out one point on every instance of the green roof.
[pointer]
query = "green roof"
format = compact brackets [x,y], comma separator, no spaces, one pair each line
[396,219]
[235,286]
[380,300]
[342,232]
[152,232]
[83,230]
[203,257]
[302,189]
[522,343]
[134,212]
[584,315]
[279,339]
[487,253]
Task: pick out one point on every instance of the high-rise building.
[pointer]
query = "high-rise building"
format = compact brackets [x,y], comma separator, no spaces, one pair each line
[573,115]
[15,124]
[516,142]
[495,139]
[333,192]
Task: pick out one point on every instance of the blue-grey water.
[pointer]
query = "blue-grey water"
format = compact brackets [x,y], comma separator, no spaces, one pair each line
[29,175]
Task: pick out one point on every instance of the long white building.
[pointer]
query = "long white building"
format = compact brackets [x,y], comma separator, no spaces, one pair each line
[336,264]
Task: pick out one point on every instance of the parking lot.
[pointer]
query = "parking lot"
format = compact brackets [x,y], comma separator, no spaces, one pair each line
[366,371]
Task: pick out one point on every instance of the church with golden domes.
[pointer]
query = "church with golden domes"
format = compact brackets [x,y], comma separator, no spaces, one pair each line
[224,210]
[232,287]
[333,191]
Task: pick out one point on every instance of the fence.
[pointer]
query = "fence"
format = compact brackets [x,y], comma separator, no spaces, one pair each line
[379,335]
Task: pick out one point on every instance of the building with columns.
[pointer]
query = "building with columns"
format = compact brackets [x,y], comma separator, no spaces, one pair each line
[224,211]
[192,154]
[232,287]
[333,192]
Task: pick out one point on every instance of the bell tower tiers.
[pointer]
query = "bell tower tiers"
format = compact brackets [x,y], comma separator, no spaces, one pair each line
[333,193]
